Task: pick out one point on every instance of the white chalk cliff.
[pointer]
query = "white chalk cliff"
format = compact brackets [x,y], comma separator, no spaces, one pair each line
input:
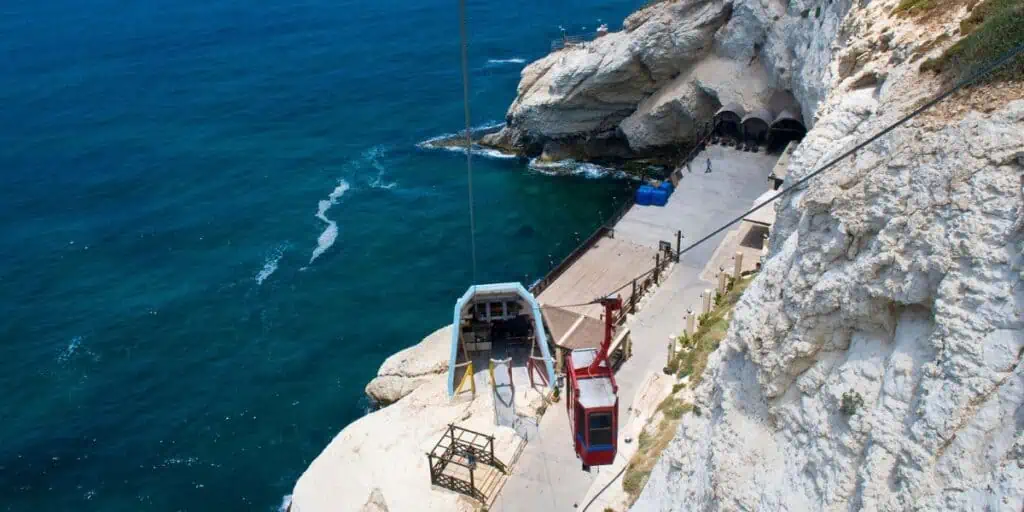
[874,364]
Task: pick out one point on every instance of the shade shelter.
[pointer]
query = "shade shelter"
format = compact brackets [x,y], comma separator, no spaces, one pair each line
[729,121]
[756,126]
[499,313]
[787,127]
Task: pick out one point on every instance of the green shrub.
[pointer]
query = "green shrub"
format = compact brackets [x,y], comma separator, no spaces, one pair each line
[993,29]
[634,481]
[909,7]
[674,408]
[817,12]
[851,402]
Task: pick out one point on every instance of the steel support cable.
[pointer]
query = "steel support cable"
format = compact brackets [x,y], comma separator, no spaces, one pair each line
[1007,57]
[464,39]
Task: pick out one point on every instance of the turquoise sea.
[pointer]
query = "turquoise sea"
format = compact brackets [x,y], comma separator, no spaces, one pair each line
[215,224]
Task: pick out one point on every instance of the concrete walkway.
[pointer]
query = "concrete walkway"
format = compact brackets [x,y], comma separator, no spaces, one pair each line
[548,476]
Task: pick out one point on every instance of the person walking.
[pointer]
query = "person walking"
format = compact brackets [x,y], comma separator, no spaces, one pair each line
[709,166]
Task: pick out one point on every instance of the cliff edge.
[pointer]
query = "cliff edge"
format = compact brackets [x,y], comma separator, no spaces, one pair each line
[874,364]
[649,87]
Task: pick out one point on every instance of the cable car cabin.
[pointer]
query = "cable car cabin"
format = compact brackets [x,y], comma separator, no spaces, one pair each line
[593,406]
[592,396]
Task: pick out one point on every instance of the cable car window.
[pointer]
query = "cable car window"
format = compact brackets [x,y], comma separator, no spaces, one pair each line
[600,428]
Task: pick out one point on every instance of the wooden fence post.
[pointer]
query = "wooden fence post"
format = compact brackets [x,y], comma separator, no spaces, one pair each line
[657,266]
[737,268]
[633,299]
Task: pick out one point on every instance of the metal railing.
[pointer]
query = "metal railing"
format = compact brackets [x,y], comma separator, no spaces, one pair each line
[606,228]
[571,41]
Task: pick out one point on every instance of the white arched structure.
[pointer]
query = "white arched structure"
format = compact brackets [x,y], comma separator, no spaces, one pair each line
[497,292]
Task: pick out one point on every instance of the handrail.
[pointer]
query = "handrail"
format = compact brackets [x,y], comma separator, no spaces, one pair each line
[604,229]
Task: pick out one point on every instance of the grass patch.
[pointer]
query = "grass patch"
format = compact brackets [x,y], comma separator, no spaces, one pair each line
[651,444]
[993,28]
[911,7]
[712,330]
[690,361]
[674,408]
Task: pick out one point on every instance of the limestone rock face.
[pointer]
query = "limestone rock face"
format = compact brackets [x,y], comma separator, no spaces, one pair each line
[670,68]
[404,371]
[874,364]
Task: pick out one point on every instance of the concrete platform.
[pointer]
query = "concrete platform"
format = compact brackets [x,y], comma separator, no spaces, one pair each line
[610,263]
[702,202]
[549,476]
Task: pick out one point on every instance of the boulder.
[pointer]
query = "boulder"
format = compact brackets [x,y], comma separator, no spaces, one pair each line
[404,371]
[591,89]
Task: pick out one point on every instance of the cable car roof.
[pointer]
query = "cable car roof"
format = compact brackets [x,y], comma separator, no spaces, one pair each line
[583,357]
[596,392]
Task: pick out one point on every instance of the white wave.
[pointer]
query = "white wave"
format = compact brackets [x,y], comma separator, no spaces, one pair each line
[487,126]
[574,168]
[69,351]
[482,151]
[180,461]
[330,233]
[286,502]
[515,60]
[270,264]
[373,157]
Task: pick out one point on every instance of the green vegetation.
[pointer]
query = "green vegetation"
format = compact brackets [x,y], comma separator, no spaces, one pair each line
[909,7]
[817,12]
[851,402]
[674,408]
[691,360]
[712,330]
[994,28]
[650,445]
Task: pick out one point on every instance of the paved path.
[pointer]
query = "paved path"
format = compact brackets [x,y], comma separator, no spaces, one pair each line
[548,476]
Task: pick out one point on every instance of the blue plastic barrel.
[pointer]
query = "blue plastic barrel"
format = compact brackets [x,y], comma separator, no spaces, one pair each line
[659,197]
[666,186]
[643,195]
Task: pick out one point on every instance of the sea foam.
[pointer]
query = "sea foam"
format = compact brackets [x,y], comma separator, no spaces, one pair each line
[515,60]
[270,264]
[373,157]
[69,351]
[330,233]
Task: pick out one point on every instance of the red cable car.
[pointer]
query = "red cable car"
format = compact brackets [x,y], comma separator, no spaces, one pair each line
[592,401]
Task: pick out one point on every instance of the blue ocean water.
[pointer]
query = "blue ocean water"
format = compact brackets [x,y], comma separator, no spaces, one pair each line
[215,224]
